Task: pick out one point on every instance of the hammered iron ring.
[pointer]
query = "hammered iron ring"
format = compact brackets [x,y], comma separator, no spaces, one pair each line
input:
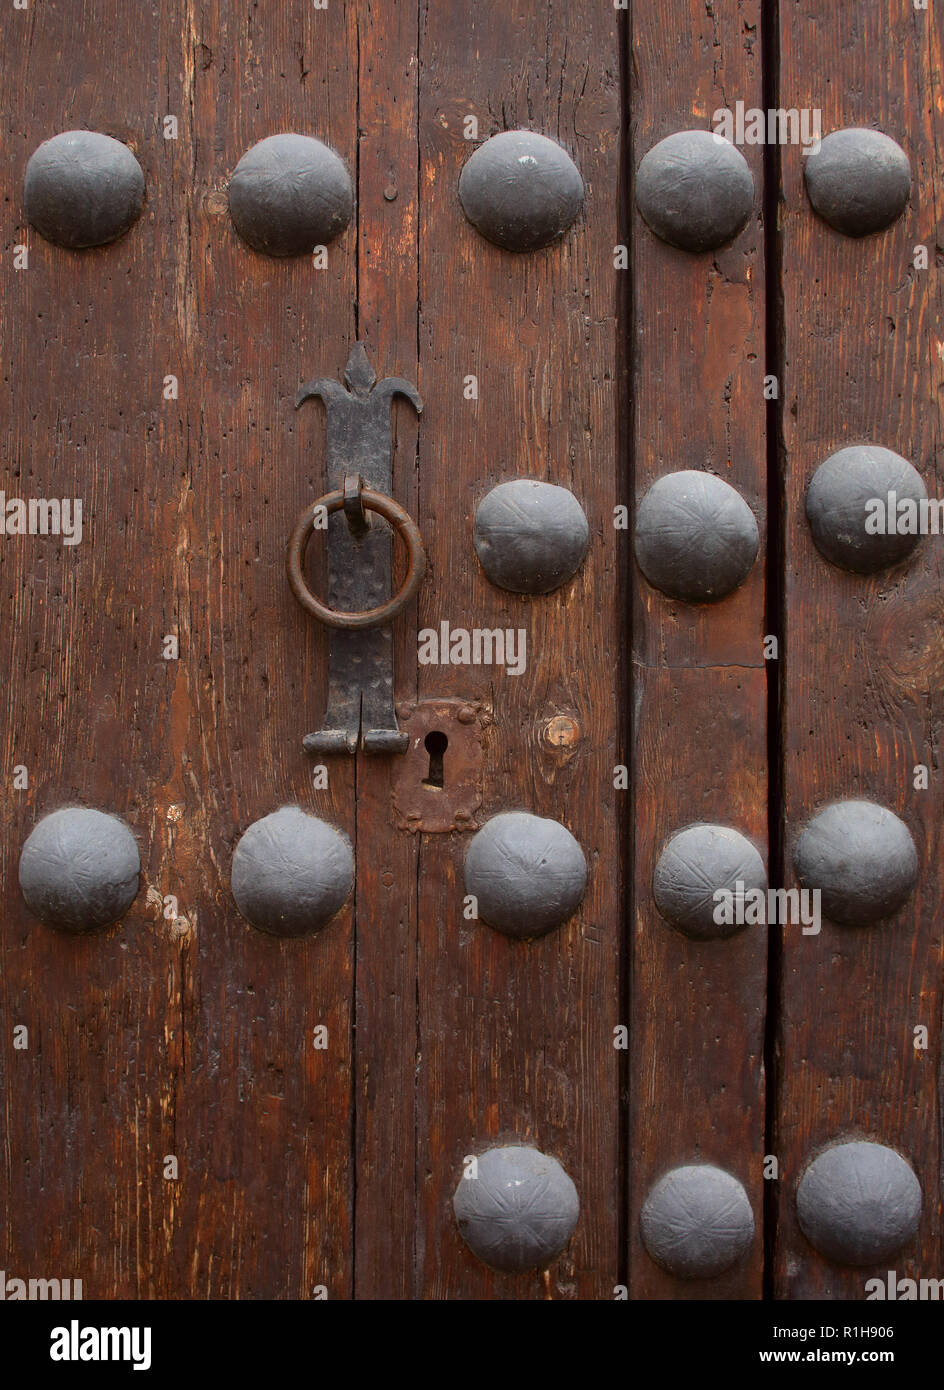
[402,523]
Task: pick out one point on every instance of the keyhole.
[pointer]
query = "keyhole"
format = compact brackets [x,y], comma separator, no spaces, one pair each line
[435,744]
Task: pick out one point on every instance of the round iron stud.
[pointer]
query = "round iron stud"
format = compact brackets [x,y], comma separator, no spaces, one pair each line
[859,181]
[521,190]
[289,194]
[842,499]
[696,537]
[858,1203]
[79,869]
[697,1222]
[861,857]
[82,189]
[528,874]
[530,536]
[695,190]
[695,863]
[291,872]
[516,1208]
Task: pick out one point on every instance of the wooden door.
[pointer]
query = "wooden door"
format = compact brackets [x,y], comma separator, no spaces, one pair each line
[196,1108]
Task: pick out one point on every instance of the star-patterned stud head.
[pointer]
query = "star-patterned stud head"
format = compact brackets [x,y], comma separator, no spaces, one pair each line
[696,537]
[521,190]
[516,1208]
[697,1222]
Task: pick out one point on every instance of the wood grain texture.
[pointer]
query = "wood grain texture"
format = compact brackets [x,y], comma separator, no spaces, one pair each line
[863,702]
[147,1040]
[516,1039]
[385,1054]
[299,1167]
[699,687]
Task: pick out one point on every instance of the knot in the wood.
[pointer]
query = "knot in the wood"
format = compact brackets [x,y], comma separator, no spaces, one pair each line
[527,874]
[530,536]
[858,1203]
[516,1208]
[521,190]
[82,189]
[562,731]
[79,869]
[291,872]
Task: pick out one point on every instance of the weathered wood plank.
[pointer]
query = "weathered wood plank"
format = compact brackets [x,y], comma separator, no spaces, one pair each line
[862,362]
[386,1033]
[699,740]
[516,1038]
[151,1040]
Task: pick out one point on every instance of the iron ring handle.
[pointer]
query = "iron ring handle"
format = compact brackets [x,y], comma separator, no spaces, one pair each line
[405,527]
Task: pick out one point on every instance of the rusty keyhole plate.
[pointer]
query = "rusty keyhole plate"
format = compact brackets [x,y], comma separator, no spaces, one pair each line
[452,806]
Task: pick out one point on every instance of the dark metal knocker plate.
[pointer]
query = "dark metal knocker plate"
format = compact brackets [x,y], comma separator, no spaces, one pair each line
[360,707]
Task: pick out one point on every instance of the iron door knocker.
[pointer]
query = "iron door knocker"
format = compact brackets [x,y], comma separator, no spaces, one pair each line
[360,709]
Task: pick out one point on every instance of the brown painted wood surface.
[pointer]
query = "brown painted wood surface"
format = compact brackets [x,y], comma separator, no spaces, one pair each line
[515,1036]
[149,1041]
[863,703]
[303,1168]
[699,687]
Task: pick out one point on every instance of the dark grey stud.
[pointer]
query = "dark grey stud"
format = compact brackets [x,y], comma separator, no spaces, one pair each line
[519,1210]
[289,194]
[528,874]
[858,1203]
[841,505]
[696,537]
[697,862]
[79,869]
[859,181]
[861,857]
[697,1222]
[291,872]
[530,536]
[521,190]
[82,189]
[695,190]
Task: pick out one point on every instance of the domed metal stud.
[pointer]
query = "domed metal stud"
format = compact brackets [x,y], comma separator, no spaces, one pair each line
[291,872]
[847,505]
[79,869]
[516,1208]
[289,194]
[696,537]
[696,863]
[859,181]
[697,1222]
[861,857]
[858,1203]
[521,190]
[82,189]
[527,874]
[530,536]
[695,190]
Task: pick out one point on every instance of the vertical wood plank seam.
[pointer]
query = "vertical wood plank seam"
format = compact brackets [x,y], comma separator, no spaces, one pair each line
[624,476]
[355,1061]
[417,1036]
